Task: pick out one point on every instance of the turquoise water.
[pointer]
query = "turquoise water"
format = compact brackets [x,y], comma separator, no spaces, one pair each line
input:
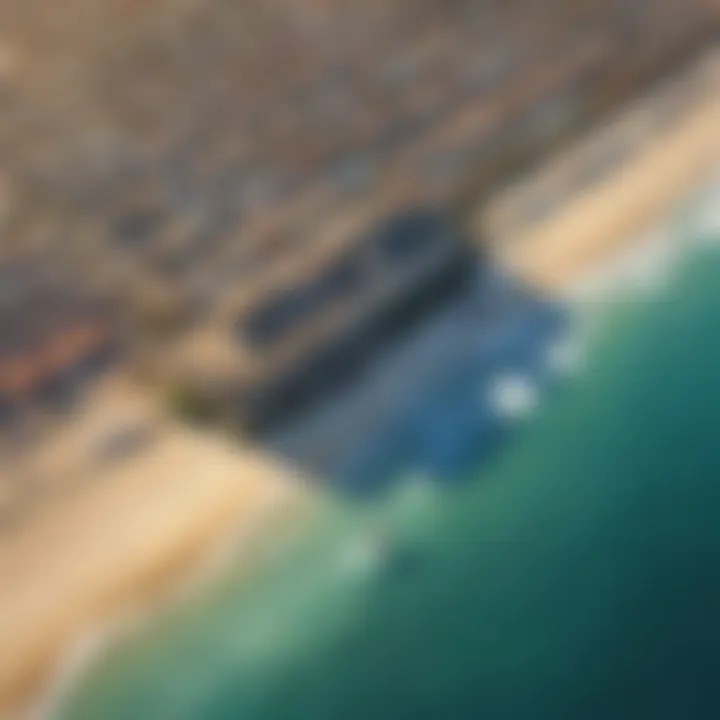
[575,575]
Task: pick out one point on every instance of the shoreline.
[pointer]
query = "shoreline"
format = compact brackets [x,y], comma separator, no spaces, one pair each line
[616,212]
[154,527]
[129,545]
[246,545]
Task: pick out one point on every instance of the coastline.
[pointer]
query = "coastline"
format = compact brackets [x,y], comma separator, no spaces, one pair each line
[619,209]
[132,538]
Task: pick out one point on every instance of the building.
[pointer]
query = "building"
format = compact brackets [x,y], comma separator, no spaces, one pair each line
[299,335]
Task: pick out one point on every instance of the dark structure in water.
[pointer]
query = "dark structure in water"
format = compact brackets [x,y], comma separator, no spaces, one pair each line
[306,337]
[357,305]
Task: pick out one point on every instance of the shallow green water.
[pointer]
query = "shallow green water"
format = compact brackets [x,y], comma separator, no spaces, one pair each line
[577,575]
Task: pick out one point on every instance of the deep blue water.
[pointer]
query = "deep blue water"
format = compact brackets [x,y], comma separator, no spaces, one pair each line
[576,575]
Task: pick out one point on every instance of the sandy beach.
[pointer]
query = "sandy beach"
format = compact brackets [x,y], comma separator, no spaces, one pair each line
[122,540]
[598,222]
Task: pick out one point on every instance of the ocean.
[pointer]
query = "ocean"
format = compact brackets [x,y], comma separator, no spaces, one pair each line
[572,574]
